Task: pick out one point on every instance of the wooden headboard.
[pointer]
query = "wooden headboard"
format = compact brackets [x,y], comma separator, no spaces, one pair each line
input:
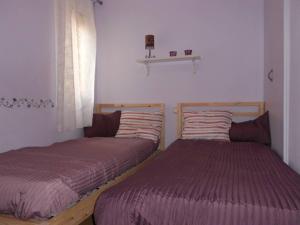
[258,108]
[100,108]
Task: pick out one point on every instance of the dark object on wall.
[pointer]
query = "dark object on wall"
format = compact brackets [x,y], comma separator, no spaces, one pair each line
[104,125]
[26,103]
[188,52]
[173,53]
[270,75]
[257,130]
[97,2]
[149,44]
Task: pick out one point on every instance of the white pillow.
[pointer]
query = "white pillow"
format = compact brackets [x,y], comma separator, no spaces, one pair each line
[145,125]
[207,125]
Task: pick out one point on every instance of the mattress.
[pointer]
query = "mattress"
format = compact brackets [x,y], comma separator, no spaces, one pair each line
[206,183]
[42,181]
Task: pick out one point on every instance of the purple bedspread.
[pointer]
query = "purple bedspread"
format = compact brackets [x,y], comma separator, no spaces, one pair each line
[206,183]
[40,182]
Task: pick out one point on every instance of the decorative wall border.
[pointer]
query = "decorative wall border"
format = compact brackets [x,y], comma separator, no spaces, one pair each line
[26,103]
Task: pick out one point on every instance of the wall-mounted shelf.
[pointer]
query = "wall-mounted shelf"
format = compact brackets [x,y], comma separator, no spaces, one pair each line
[192,58]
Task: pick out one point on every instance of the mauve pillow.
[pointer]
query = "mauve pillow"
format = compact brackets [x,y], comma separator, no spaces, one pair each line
[104,125]
[257,130]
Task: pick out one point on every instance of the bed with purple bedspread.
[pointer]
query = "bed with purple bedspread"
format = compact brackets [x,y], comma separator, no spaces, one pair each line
[40,182]
[206,183]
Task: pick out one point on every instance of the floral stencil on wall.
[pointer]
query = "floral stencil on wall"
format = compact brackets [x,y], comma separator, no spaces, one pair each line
[26,103]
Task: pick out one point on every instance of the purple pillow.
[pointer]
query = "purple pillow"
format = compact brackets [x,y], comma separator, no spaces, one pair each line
[257,130]
[104,125]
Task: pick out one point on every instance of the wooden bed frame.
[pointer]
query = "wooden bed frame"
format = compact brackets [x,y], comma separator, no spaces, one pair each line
[85,207]
[258,106]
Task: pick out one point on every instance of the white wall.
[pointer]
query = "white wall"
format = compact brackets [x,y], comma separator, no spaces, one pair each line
[27,69]
[294,148]
[274,59]
[227,34]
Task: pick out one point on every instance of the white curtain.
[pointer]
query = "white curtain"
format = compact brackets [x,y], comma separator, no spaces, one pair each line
[76,59]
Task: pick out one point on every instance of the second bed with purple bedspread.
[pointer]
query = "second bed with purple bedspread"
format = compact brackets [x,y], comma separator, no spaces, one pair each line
[206,183]
[41,182]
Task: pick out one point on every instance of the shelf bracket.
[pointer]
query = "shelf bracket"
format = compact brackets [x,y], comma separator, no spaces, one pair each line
[194,66]
[147,69]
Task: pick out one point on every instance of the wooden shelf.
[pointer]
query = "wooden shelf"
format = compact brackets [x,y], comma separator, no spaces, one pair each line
[192,58]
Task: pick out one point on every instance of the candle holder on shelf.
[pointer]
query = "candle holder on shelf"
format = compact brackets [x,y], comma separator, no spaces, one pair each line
[149,45]
[188,52]
[173,53]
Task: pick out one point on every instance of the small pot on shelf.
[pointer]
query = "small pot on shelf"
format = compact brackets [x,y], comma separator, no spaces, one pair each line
[188,52]
[173,53]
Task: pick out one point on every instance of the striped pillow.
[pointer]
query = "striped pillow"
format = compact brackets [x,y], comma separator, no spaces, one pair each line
[207,125]
[145,125]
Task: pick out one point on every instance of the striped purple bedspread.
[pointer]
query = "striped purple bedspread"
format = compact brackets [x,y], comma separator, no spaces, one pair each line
[206,183]
[41,182]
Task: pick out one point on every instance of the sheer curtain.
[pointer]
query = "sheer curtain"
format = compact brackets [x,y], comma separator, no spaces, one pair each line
[76,59]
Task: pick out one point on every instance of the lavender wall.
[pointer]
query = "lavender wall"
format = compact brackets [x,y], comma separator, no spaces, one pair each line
[227,34]
[294,150]
[27,69]
[274,59]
